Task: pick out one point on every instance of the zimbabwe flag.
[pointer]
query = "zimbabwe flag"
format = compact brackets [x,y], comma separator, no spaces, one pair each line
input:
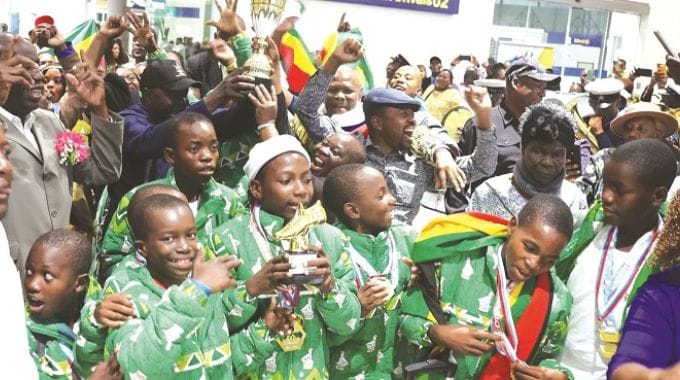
[297,61]
[81,36]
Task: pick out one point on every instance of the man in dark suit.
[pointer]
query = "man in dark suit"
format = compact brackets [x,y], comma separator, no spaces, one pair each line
[211,65]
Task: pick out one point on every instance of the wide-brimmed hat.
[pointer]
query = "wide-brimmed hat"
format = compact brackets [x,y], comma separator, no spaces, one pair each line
[665,122]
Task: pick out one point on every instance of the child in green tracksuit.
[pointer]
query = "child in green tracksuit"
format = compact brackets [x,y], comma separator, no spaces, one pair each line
[192,150]
[280,181]
[359,197]
[180,330]
[55,285]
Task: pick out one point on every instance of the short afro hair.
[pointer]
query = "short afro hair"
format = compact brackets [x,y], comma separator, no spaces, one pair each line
[548,210]
[179,120]
[342,186]
[72,244]
[147,191]
[139,217]
[547,122]
[652,161]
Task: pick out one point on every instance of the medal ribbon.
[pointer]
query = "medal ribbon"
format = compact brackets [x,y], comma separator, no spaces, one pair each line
[291,296]
[360,264]
[508,346]
[619,292]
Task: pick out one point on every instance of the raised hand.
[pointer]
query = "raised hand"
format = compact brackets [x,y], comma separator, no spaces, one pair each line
[90,87]
[480,102]
[216,273]
[141,29]
[114,310]
[114,26]
[269,277]
[222,52]
[343,26]
[14,70]
[464,340]
[278,319]
[229,22]
[56,40]
[265,104]
[349,51]
[235,86]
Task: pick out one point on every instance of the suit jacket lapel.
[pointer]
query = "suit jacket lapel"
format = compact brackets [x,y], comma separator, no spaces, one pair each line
[13,134]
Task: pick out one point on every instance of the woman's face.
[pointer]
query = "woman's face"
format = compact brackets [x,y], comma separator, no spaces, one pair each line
[443,80]
[54,85]
[115,50]
[544,161]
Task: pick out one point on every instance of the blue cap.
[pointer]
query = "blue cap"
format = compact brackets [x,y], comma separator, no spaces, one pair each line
[387,97]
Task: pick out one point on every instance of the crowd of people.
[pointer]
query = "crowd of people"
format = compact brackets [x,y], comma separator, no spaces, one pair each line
[167,215]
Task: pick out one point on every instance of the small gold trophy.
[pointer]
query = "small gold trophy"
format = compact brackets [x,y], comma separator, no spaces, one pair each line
[295,232]
[265,15]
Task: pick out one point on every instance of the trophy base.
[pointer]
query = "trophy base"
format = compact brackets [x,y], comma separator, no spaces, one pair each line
[298,262]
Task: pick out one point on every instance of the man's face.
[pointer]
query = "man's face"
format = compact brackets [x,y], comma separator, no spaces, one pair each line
[619,66]
[531,249]
[544,162]
[130,78]
[343,92]
[171,245]
[397,125]
[626,201]
[531,91]
[332,152]
[283,184]
[138,52]
[51,283]
[163,104]
[435,67]
[46,59]
[22,101]
[406,79]
[195,153]
[6,172]
[640,128]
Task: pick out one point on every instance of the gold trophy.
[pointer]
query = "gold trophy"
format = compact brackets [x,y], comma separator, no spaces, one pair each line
[265,15]
[295,232]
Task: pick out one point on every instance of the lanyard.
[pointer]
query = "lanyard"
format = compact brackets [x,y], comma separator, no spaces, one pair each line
[614,299]
[502,312]
[291,296]
[362,265]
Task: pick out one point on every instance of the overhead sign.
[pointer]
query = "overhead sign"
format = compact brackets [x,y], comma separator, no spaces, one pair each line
[436,6]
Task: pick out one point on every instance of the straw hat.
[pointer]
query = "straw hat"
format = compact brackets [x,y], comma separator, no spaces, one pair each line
[666,123]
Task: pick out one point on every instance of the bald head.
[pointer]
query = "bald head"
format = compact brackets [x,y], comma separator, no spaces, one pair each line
[343,92]
[407,79]
[23,48]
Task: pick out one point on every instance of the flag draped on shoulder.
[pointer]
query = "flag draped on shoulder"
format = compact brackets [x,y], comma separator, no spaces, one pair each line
[461,232]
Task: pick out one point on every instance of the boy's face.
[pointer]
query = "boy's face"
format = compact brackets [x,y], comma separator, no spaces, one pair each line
[331,153]
[282,184]
[396,126]
[373,205]
[51,284]
[531,249]
[626,201]
[170,245]
[195,153]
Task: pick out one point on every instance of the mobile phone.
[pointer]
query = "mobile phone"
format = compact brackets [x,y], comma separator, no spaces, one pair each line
[464,58]
[574,156]
[644,72]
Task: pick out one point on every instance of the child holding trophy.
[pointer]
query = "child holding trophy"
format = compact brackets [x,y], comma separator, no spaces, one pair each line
[359,197]
[268,240]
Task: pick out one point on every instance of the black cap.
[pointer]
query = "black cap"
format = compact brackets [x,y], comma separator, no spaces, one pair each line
[523,68]
[381,97]
[166,75]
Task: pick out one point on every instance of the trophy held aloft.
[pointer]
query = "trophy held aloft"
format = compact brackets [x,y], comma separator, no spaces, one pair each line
[265,15]
[295,233]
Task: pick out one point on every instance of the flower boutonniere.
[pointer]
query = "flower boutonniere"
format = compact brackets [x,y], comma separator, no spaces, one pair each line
[71,148]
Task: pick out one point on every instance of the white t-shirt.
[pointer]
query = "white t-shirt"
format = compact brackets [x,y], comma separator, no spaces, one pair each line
[15,358]
[581,350]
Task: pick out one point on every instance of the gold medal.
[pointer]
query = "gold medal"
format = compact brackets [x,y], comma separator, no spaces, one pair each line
[609,341]
[607,350]
[296,339]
